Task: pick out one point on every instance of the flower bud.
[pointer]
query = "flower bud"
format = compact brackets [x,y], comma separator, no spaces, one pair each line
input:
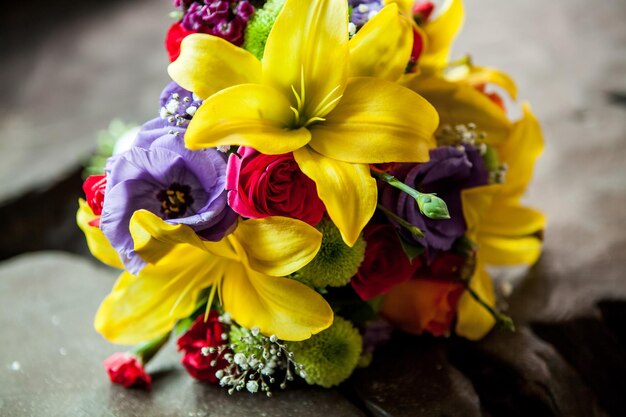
[432,206]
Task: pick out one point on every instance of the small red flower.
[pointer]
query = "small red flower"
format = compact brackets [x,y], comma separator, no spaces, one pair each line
[416,52]
[423,10]
[491,96]
[175,36]
[126,370]
[203,335]
[94,187]
[385,264]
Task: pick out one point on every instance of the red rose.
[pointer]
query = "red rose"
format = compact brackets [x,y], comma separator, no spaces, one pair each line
[126,370]
[445,266]
[202,335]
[175,36]
[423,305]
[271,185]
[385,264]
[94,187]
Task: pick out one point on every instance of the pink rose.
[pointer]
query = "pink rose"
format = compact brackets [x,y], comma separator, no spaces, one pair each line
[271,185]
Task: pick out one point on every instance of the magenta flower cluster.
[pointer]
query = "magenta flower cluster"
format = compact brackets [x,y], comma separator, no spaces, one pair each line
[226,19]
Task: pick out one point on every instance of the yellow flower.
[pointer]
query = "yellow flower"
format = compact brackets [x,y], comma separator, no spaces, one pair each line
[318,95]
[96,241]
[246,269]
[438,33]
[505,232]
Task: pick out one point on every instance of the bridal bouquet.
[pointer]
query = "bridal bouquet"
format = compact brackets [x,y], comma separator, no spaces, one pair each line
[319,173]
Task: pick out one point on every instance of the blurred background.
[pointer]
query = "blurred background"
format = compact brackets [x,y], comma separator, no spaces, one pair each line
[69,67]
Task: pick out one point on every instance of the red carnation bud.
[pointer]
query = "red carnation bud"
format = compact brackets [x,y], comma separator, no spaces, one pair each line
[416,52]
[422,11]
[94,187]
[199,337]
[126,370]
[175,36]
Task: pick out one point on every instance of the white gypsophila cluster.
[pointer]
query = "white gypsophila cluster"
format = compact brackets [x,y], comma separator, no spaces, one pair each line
[461,134]
[179,111]
[255,361]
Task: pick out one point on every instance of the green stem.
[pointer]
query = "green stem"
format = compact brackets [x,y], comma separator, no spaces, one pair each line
[414,230]
[146,350]
[502,319]
[430,205]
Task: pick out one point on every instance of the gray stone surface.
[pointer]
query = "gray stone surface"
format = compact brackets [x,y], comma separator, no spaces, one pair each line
[51,358]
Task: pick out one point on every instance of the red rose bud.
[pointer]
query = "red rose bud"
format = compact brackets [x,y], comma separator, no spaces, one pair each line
[126,370]
[197,360]
[175,36]
[423,305]
[422,11]
[94,187]
[416,52]
[385,264]
[271,185]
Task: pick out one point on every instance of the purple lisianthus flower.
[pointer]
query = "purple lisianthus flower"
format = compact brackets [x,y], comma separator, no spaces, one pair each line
[363,11]
[160,175]
[449,171]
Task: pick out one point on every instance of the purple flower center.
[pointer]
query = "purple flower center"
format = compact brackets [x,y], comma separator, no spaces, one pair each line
[175,200]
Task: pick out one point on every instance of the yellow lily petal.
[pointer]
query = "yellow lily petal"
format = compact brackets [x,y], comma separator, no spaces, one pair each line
[441,32]
[382,48]
[98,244]
[476,204]
[307,37]
[520,153]
[474,76]
[278,246]
[281,306]
[154,238]
[506,251]
[509,219]
[376,121]
[348,191]
[208,64]
[140,308]
[473,320]
[459,103]
[247,115]
[404,6]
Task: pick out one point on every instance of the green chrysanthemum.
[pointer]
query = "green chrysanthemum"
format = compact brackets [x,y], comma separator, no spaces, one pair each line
[329,357]
[335,262]
[259,27]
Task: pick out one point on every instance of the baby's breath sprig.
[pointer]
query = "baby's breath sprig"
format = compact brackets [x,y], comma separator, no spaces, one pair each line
[255,361]
[459,135]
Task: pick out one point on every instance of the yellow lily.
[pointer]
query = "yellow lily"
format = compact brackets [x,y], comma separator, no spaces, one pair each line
[459,102]
[504,230]
[439,32]
[246,269]
[315,94]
